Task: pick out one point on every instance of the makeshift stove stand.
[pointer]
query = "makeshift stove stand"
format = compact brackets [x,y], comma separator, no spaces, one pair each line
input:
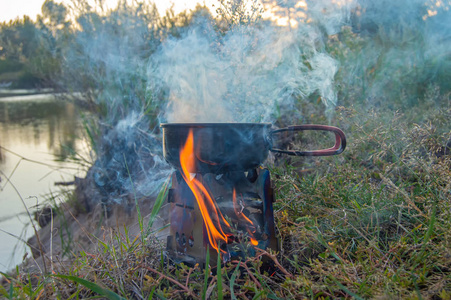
[221,199]
[245,201]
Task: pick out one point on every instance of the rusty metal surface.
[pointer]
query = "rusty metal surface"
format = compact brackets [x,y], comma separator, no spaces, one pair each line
[188,240]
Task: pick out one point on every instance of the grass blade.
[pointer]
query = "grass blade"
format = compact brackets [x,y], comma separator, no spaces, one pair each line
[207,273]
[93,287]
[3,291]
[347,291]
[258,295]
[151,293]
[232,282]
[11,290]
[140,220]
[158,203]
[219,275]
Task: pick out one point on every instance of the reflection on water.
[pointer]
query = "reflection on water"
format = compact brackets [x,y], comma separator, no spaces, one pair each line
[33,129]
[34,122]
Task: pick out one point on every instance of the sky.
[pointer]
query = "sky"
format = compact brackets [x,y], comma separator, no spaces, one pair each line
[11,9]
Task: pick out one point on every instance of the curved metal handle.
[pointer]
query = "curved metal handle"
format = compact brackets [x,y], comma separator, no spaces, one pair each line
[339,147]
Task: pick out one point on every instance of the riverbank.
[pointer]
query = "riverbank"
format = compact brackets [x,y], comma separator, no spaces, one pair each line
[41,140]
[48,94]
[24,92]
[71,231]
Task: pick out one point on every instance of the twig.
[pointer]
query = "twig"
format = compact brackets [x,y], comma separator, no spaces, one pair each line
[274,259]
[249,272]
[186,289]
[12,172]
[64,183]
[210,288]
[189,274]
[51,241]
[19,238]
[35,161]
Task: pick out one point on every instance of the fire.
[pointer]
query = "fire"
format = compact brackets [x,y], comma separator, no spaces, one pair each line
[240,214]
[204,199]
[211,215]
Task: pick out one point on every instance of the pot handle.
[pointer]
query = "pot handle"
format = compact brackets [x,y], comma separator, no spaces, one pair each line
[340,140]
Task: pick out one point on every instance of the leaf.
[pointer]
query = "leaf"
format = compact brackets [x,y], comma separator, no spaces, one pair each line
[93,287]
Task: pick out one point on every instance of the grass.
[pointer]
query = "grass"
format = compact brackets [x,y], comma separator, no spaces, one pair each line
[373,222]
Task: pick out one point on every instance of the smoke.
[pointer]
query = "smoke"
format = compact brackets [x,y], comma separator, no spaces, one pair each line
[401,48]
[253,73]
[129,160]
[107,60]
[261,72]
[343,52]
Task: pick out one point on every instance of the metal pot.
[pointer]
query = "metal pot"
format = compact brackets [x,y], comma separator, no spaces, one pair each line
[223,147]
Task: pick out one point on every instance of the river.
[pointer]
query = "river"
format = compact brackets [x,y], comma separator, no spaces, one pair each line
[38,137]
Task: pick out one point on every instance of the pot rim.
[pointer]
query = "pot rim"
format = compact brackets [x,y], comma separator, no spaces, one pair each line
[202,125]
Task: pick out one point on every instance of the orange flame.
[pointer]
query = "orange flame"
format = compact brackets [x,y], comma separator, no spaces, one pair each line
[204,199]
[235,208]
[241,214]
[206,202]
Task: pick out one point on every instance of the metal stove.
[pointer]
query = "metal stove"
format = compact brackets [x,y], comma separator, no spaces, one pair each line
[240,196]
[219,190]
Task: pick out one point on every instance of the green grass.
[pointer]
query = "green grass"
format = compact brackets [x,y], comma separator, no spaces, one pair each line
[373,222]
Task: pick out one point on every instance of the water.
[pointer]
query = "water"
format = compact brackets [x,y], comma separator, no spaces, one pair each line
[37,136]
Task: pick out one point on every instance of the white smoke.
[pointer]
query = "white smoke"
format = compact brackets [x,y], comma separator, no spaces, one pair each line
[255,73]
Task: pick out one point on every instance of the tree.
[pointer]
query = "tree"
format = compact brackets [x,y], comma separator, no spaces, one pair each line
[18,44]
[54,16]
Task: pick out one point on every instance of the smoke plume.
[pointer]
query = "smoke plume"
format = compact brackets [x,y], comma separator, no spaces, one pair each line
[254,73]
[343,52]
